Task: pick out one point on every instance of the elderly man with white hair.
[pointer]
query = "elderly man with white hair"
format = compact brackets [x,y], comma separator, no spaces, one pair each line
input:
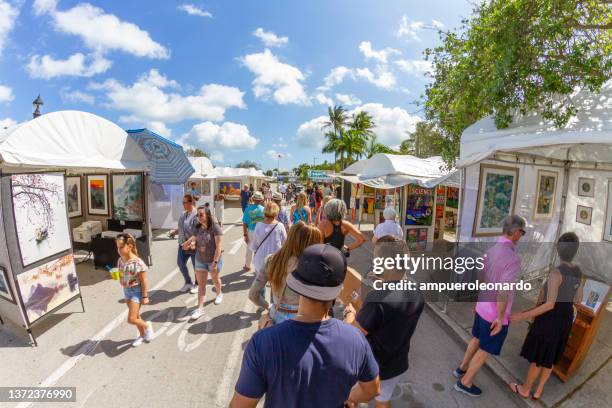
[389,226]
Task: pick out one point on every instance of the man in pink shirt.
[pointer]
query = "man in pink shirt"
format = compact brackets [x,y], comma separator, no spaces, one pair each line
[502,265]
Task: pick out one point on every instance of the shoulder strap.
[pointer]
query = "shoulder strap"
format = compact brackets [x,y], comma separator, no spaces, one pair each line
[266,237]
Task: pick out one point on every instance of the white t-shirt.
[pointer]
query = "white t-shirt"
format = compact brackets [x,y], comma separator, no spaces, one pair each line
[388,227]
[282,188]
[271,244]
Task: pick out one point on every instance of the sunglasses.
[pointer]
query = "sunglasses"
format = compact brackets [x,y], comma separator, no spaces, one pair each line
[523,232]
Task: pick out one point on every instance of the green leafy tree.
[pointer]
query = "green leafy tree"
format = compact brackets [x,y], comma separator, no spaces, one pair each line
[374,148]
[424,142]
[196,153]
[336,122]
[515,57]
[248,164]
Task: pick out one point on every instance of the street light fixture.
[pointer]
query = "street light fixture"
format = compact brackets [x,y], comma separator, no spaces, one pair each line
[36,104]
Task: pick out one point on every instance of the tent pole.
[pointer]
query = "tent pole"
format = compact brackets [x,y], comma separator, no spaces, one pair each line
[564,191]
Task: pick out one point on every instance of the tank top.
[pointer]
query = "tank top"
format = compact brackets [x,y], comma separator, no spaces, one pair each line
[336,238]
[299,215]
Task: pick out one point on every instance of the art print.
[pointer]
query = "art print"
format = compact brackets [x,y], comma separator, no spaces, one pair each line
[420,205]
[546,190]
[586,187]
[584,214]
[496,198]
[97,194]
[231,188]
[128,197]
[73,196]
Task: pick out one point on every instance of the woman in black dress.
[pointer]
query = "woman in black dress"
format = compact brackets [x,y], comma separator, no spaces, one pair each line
[550,330]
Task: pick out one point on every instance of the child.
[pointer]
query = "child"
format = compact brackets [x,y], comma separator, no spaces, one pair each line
[134,282]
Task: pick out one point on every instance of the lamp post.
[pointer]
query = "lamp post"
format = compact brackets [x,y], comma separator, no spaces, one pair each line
[36,104]
[314,161]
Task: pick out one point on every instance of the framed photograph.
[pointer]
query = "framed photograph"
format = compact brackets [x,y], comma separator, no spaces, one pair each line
[496,198]
[586,187]
[73,196]
[41,219]
[584,214]
[97,194]
[46,287]
[545,195]
[419,205]
[5,288]
[607,234]
[230,188]
[128,197]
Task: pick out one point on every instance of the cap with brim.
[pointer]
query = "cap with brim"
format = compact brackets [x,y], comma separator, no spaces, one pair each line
[277,196]
[257,196]
[324,294]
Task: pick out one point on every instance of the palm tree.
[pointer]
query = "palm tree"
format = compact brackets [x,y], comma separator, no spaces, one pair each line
[363,123]
[353,145]
[374,147]
[337,120]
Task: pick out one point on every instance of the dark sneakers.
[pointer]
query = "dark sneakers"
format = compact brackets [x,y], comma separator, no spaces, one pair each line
[472,391]
[458,373]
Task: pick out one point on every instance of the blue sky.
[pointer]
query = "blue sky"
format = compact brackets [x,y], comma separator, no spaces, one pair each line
[240,79]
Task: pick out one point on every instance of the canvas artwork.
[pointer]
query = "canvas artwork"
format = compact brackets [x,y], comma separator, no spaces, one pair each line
[128,197]
[584,214]
[73,196]
[586,187]
[5,289]
[48,286]
[229,188]
[595,293]
[607,235]
[41,220]
[97,194]
[496,198]
[545,194]
[420,205]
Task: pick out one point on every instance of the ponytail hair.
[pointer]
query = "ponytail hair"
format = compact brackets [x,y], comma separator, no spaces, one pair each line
[128,240]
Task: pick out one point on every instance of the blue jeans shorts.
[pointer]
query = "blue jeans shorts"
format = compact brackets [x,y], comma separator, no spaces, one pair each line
[482,331]
[207,266]
[133,294]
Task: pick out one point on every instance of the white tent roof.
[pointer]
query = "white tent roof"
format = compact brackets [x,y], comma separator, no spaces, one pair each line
[391,170]
[70,139]
[587,138]
[202,166]
[235,173]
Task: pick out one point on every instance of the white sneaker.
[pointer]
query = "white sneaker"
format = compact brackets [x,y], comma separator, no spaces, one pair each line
[194,289]
[185,288]
[138,341]
[149,332]
[197,313]
[219,299]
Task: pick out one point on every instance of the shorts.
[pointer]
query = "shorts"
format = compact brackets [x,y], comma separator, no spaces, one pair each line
[386,388]
[280,316]
[207,266]
[133,294]
[482,331]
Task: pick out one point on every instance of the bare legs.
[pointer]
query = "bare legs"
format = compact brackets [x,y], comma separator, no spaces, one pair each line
[475,365]
[202,277]
[469,353]
[134,317]
[532,375]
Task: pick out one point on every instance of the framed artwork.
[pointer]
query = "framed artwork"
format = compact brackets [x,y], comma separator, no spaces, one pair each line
[420,205]
[496,198]
[607,235]
[545,195]
[452,197]
[416,238]
[586,187]
[595,293]
[41,219]
[230,188]
[206,188]
[584,214]
[5,288]
[48,286]
[73,196]
[97,194]
[128,197]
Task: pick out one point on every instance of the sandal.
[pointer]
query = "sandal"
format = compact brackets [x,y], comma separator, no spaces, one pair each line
[534,398]
[514,388]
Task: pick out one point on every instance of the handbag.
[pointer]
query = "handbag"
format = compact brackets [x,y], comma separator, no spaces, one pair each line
[266,237]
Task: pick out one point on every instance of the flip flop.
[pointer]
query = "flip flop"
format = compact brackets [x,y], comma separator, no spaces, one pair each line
[514,388]
[534,398]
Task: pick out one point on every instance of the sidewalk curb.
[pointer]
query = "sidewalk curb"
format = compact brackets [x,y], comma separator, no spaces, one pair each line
[492,364]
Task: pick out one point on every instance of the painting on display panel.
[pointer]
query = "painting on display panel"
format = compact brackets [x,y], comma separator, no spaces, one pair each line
[128,197]
[496,198]
[41,218]
[545,194]
[97,194]
[73,196]
[230,188]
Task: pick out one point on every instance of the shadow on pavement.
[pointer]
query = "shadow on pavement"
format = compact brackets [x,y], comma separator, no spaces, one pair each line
[224,323]
[111,348]
[237,281]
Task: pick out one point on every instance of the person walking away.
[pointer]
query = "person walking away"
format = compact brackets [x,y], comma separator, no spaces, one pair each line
[299,211]
[388,319]
[501,265]
[318,198]
[186,227]
[282,217]
[321,214]
[554,316]
[389,226]
[133,279]
[208,239]
[327,191]
[283,190]
[253,214]
[267,193]
[311,360]
[312,200]
[268,237]
[245,197]
[335,228]
[219,208]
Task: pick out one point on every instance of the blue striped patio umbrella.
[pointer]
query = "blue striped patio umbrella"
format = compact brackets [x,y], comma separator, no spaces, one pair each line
[170,164]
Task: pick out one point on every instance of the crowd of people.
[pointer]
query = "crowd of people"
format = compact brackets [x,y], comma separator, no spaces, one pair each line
[303,356]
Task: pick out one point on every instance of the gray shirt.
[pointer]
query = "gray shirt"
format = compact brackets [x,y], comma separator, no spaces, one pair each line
[186,226]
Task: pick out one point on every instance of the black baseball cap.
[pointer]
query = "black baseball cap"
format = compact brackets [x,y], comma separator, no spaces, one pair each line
[320,272]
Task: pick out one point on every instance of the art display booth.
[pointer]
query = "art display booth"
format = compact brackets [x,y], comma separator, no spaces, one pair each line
[60,172]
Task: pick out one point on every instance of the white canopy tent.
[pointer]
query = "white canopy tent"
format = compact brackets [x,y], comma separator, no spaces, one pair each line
[203,167]
[233,173]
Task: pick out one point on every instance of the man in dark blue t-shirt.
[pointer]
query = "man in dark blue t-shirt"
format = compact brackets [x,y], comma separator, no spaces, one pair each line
[311,360]
[245,196]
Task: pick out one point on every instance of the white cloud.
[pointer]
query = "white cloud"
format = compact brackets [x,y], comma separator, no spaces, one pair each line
[101,31]
[323,99]
[7,123]
[8,16]
[270,39]
[6,94]
[280,145]
[391,123]
[273,154]
[437,24]
[309,133]
[150,99]
[47,67]
[75,96]
[337,75]
[193,10]
[160,128]
[411,29]
[381,55]
[383,78]
[282,82]
[217,157]
[228,136]
[416,67]
[348,100]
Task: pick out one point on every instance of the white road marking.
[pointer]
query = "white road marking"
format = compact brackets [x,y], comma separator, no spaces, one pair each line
[236,246]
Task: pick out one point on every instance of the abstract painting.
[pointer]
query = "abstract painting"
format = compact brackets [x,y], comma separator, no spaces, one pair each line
[5,289]
[41,220]
[128,197]
[229,187]
[48,286]
[97,194]
[73,196]
[586,187]
[545,194]
[496,198]
[419,205]
[607,235]
[584,214]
